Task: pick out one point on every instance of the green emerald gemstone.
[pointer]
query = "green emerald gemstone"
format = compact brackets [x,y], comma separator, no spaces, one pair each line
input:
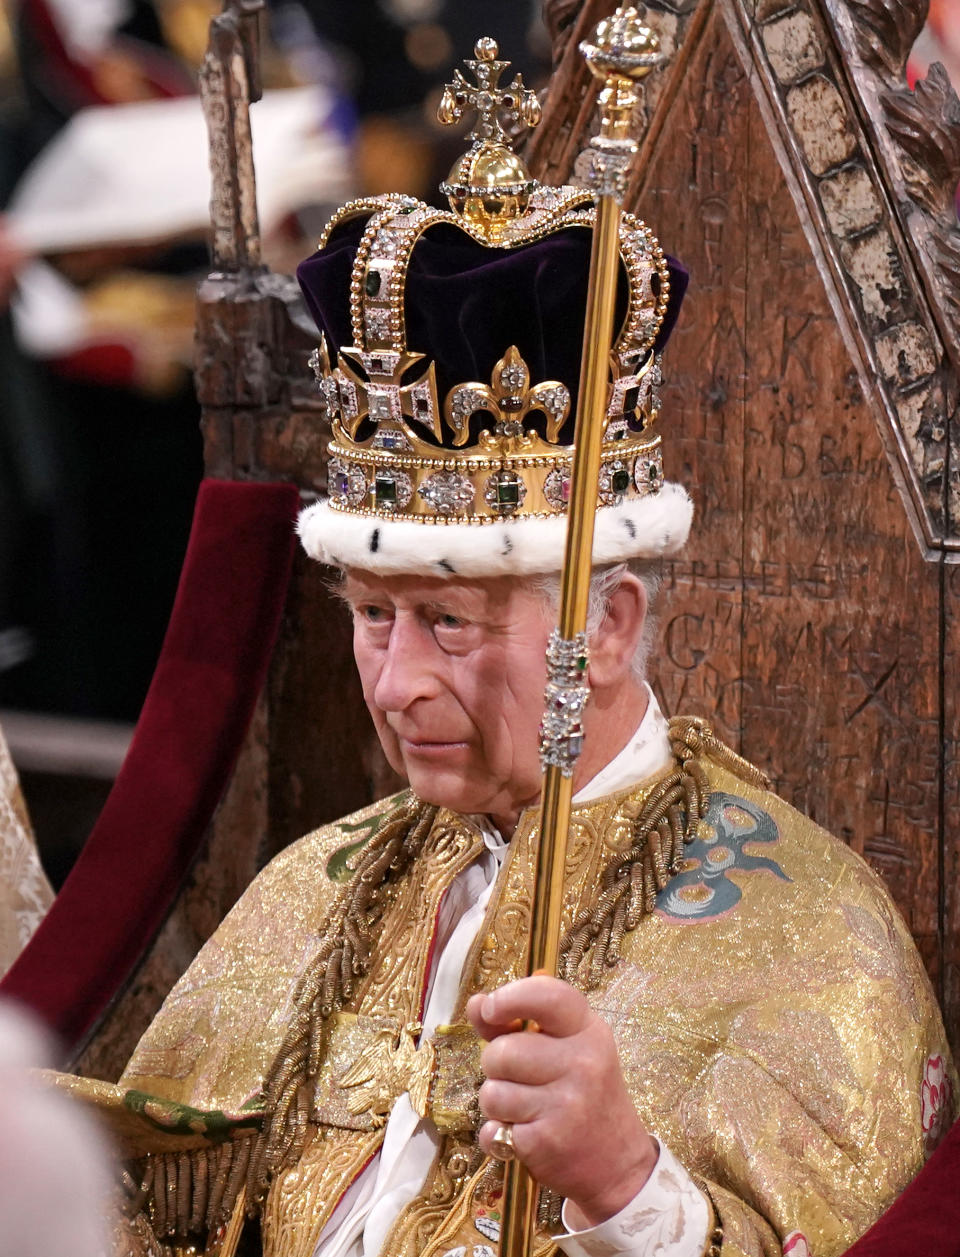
[372,283]
[620,480]
[385,490]
[508,494]
[581,663]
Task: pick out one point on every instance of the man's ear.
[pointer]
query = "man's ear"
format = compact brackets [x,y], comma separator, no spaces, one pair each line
[615,640]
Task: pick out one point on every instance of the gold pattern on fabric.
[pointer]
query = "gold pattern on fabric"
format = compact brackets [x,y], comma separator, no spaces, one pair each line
[742,1234]
[395,985]
[454,1104]
[371,1060]
[433,1223]
[773,1020]
[498,951]
[301,1199]
[458,1210]
[224,1021]
[793,1042]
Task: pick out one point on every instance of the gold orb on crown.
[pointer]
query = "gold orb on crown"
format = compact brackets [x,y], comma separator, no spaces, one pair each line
[490,184]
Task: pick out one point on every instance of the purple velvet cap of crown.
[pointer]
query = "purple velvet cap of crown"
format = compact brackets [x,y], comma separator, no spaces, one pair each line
[466,303]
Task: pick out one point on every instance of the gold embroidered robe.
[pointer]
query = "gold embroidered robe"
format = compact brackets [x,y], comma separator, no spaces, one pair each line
[775,1025]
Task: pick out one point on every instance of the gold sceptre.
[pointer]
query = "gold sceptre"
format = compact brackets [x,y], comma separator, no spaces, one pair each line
[621,52]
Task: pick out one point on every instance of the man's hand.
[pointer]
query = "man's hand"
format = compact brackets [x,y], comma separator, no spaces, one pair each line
[574,1124]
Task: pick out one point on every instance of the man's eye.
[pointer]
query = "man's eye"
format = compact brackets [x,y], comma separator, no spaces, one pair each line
[371,613]
[449,621]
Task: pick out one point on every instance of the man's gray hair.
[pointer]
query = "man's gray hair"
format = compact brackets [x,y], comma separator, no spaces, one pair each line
[603,585]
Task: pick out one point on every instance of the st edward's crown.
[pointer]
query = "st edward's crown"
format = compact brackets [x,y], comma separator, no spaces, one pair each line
[449,361]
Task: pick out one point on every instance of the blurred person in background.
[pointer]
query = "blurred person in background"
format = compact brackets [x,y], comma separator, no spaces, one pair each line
[54,1175]
[392,58]
[103,238]
[99,440]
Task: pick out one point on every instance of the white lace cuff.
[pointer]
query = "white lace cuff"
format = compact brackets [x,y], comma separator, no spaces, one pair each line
[669,1216]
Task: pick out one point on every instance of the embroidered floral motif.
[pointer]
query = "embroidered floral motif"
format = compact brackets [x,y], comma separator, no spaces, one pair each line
[702,889]
[487,1213]
[488,1224]
[795,1245]
[934,1102]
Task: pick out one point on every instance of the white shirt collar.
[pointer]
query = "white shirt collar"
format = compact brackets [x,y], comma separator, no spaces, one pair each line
[647,752]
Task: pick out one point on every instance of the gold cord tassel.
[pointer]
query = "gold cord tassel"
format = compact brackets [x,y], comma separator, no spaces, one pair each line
[663,824]
[667,820]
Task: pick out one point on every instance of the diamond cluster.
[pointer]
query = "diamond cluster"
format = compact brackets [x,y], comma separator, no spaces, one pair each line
[448,493]
[464,402]
[561,730]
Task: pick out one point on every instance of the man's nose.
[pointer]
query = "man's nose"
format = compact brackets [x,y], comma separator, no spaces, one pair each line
[407,671]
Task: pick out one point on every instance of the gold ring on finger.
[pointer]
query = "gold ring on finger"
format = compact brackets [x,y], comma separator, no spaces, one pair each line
[501,1145]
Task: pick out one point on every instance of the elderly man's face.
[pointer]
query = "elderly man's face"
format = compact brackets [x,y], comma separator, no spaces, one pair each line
[453,673]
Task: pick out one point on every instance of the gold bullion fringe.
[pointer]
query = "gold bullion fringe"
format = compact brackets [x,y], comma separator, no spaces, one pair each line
[550,1211]
[325,987]
[695,736]
[664,823]
[192,1193]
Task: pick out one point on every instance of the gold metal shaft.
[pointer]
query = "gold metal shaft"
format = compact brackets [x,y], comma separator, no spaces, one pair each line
[622,51]
[520,1190]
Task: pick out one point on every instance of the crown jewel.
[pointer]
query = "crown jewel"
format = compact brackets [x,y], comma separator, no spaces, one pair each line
[489,184]
[498,447]
[487,97]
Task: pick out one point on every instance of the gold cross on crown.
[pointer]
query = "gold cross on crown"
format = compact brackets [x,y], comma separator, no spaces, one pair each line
[488,98]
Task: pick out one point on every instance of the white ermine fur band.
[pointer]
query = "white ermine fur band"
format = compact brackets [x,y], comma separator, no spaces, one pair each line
[655,525]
